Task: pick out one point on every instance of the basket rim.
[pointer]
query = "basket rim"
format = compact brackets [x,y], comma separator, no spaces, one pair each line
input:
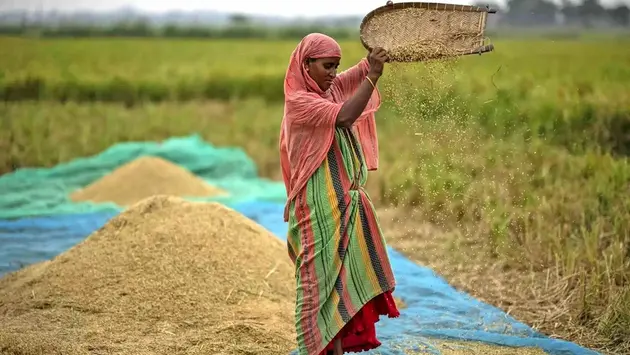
[416,4]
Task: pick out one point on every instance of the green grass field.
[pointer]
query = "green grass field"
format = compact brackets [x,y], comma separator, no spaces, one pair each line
[523,150]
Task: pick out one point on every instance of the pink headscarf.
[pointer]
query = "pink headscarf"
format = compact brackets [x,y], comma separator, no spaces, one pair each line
[308,125]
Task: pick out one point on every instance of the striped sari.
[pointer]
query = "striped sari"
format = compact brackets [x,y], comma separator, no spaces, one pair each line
[338,249]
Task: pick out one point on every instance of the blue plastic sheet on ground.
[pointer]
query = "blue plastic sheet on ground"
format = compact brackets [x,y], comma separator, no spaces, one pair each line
[434,308]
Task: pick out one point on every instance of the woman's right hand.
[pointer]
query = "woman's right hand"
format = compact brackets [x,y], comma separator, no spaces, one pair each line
[377,59]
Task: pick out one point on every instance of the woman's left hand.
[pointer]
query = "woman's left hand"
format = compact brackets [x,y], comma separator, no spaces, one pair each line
[377,58]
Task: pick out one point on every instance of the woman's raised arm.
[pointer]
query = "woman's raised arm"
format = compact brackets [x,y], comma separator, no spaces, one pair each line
[352,109]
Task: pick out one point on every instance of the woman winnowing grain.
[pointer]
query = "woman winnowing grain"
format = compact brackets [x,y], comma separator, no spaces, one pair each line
[327,145]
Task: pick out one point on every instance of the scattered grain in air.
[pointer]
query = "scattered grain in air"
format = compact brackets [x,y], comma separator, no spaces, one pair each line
[450,156]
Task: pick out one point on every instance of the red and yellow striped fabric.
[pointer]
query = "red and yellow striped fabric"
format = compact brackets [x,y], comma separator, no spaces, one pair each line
[337,246]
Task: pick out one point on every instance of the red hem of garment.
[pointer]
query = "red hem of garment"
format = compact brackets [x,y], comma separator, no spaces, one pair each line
[359,334]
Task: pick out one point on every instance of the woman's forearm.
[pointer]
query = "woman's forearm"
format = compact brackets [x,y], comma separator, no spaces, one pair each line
[352,109]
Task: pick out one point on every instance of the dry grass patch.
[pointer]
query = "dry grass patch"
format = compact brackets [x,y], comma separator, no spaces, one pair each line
[541,299]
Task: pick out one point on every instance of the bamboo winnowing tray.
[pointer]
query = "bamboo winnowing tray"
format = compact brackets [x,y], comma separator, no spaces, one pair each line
[416,31]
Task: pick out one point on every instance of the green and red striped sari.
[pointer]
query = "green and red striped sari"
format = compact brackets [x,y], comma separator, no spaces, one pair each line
[337,246]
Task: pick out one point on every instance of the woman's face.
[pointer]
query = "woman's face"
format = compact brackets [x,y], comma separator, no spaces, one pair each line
[323,71]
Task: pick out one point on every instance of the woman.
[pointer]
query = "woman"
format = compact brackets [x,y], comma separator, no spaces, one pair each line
[327,145]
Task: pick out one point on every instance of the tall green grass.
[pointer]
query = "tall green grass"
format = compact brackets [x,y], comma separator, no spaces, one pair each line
[161,69]
[571,92]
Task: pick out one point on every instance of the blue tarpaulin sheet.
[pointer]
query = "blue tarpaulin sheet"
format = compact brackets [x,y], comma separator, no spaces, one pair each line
[434,308]
[40,222]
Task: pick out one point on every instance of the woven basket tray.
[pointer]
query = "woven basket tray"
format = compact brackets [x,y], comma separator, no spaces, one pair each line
[417,31]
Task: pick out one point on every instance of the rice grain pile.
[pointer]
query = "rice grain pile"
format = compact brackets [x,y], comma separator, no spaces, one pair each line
[166,276]
[143,178]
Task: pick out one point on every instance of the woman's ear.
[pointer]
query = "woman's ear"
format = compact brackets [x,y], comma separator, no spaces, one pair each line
[307,66]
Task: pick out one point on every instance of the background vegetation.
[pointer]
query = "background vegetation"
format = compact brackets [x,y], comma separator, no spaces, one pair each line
[523,150]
